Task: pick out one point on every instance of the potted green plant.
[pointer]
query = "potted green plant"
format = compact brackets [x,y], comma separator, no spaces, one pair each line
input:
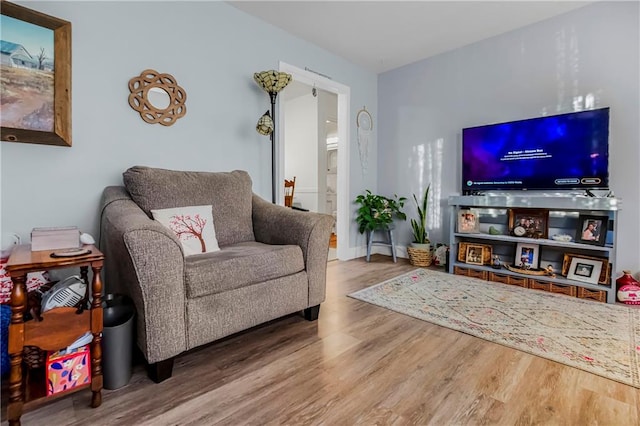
[420,234]
[377,211]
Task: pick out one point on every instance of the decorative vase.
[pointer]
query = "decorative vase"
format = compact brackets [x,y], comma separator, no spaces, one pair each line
[628,289]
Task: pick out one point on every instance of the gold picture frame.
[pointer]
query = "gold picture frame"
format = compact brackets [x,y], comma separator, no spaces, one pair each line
[475,254]
[487,252]
[60,133]
[529,223]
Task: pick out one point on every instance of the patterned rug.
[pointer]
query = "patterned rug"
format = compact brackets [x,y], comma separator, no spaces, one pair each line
[600,338]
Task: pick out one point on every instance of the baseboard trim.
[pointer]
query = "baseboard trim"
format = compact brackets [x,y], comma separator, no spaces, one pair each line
[361,251]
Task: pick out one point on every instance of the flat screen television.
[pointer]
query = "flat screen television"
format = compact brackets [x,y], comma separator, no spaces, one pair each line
[559,152]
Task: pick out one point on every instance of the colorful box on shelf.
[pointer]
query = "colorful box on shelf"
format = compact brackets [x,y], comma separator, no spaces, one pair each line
[34,281]
[55,238]
[68,369]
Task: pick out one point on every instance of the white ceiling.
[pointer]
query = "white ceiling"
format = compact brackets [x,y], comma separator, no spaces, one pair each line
[383,35]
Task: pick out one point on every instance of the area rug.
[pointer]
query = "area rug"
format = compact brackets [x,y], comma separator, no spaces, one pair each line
[600,338]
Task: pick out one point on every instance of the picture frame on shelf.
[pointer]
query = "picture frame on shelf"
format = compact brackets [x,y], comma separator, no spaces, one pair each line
[592,229]
[527,256]
[40,69]
[605,272]
[486,252]
[585,270]
[529,223]
[475,254]
[468,221]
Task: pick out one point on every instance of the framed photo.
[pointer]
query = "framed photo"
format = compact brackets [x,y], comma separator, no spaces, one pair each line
[486,252]
[36,77]
[605,272]
[527,256]
[592,229]
[529,223]
[468,221]
[585,270]
[475,254]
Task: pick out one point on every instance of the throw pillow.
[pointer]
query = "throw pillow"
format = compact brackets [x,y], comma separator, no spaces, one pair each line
[193,225]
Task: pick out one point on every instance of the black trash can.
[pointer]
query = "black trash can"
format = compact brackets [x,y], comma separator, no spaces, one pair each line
[117,340]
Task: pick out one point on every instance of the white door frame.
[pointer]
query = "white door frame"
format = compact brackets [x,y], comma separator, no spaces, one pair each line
[344,100]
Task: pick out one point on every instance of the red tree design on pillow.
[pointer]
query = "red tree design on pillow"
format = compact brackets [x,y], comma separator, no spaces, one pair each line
[185,227]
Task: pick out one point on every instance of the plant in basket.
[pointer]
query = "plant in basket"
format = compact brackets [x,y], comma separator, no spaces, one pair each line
[419,227]
[377,211]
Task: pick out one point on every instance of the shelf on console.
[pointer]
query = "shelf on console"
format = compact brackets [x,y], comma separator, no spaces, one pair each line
[565,211]
[542,241]
[557,279]
[552,202]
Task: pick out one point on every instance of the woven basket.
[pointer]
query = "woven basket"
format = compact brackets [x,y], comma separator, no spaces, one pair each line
[34,357]
[419,257]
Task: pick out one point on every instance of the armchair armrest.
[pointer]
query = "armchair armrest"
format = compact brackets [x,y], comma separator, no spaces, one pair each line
[274,224]
[144,260]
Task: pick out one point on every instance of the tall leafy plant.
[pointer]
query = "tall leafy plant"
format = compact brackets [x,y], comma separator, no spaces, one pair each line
[378,211]
[420,234]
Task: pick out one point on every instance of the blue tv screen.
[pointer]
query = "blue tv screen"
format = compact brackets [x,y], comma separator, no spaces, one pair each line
[559,152]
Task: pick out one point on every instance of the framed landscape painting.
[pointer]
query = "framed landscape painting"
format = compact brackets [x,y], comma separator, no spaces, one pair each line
[35,63]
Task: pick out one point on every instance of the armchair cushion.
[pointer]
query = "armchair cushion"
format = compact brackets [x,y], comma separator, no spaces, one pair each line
[229,194]
[240,265]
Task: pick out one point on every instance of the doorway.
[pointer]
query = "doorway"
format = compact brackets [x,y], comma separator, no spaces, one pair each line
[326,188]
[310,134]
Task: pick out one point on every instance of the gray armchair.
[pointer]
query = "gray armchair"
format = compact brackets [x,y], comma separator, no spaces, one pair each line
[272,260]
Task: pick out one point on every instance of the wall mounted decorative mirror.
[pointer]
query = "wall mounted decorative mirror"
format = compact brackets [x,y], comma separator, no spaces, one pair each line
[157,97]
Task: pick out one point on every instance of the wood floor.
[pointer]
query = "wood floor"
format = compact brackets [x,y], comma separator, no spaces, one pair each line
[358,364]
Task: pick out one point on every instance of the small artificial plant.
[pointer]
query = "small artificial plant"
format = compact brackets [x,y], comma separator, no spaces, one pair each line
[378,211]
[420,235]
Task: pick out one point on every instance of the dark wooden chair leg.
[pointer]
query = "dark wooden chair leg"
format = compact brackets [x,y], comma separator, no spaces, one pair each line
[311,314]
[160,371]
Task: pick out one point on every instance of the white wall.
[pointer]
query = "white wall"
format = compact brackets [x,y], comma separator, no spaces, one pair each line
[301,149]
[521,74]
[327,108]
[212,49]
[305,148]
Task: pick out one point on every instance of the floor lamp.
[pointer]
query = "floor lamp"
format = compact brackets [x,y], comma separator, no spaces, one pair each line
[272,82]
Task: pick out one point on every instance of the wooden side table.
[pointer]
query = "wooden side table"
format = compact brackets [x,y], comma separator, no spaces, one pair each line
[58,328]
